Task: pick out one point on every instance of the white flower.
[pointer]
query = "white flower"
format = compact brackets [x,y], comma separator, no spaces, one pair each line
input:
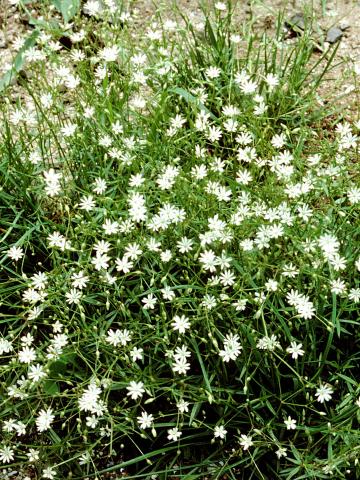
[220,432]
[354,195]
[136,354]
[110,227]
[79,280]
[281,452]
[246,441]
[174,434]
[337,286]
[290,423]
[100,262]
[268,343]
[27,355]
[149,302]
[354,295]
[212,72]
[36,372]
[180,323]
[73,297]
[272,81]
[89,400]
[184,406]
[109,54]
[49,473]
[232,348]
[221,6]
[209,302]
[145,420]
[185,245]
[133,251]
[214,134]
[166,256]
[5,346]
[181,366]
[99,186]
[209,260]
[87,203]
[135,390]
[124,264]
[167,293]
[92,421]
[324,393]
[57,240]
[69,129]
[181,353]
[33,455]
[227,278]
[44,420]
[15,253]
[6,454]
[295,350]
[39,280]
[118,337]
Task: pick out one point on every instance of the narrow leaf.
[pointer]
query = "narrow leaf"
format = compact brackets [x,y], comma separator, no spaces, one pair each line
[67,8]
[6,80]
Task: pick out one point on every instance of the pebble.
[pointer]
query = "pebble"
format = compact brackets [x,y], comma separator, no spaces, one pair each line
[297,20]
[334,34]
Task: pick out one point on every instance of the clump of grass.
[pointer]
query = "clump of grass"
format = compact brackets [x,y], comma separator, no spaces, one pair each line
[180,257]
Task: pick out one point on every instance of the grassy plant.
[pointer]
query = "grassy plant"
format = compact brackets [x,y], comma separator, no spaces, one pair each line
[179,254]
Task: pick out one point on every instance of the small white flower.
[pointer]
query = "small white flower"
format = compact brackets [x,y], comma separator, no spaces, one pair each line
[324,393]
[73,297]
[118,337]
[136,354]
[290,423]
[145,420]
[246,442]
[221,6]
[109,54]
[33,455]
[180,323]
[295,350]
[99,186]
[183,406]
[135,390]
[220,432]
[149,301]
[44,420]
[27,355]
[87,203]
[281,452]
[232,347]
[212,72]
[49,473]
[174,434]
[6,454]
[15,253]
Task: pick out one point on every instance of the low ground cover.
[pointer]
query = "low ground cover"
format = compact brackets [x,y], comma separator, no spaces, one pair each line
[179,253]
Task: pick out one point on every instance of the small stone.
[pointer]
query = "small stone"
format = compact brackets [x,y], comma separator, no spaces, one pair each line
[334,34]
[344,25]
[297,20]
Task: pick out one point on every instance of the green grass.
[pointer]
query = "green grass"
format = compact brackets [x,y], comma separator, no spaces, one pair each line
[229,337]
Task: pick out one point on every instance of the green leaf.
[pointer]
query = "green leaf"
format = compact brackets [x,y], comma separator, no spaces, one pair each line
[51,387]
[67,8]
[5,81]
